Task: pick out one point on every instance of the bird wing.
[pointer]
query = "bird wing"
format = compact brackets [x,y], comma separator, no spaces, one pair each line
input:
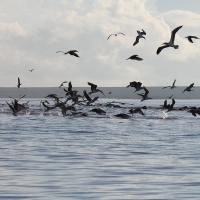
[136,40]
[166,87]
[121,33]
[146,91]
[60,51]
[102,93]
[95,98]
[173,102]
[161,48]
[93,86]
[138,58]
[190,39]
[86,96]
[21,97]
[70,86]
[109,36]
[174,33]
[18,81]
[139,84]
[143,32]
[191,85]
[174,83]
[74,54]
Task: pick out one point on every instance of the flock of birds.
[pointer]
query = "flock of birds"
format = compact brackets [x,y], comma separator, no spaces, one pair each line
[86,100]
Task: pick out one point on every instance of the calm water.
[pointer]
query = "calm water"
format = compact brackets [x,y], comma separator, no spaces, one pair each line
[47,156]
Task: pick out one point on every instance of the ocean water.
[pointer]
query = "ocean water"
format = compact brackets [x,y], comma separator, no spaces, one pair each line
[44,155]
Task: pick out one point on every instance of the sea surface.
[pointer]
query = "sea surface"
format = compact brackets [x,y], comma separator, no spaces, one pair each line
[44,155]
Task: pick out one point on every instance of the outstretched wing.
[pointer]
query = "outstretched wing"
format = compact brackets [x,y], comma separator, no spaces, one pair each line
[86,96]
[174,33]
[136,40]
[93,86]
[109,36]
[161,48]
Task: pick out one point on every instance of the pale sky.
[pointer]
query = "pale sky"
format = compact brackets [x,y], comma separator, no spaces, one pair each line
[31,32]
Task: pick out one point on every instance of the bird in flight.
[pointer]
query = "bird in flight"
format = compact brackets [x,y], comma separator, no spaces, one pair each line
[18,85]
[145,95]
[135,57]
[94,88]
[172,87]
[31,70]
[115,35]
[89,99]
[188,89]
[136,85]
[62,84]
[191,37]
[171,42]
[140,35]
[71,52]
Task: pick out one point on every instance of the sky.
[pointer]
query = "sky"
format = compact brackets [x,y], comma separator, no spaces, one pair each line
[31,32]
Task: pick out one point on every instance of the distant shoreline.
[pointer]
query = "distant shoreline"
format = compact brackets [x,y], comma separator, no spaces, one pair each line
[116,92]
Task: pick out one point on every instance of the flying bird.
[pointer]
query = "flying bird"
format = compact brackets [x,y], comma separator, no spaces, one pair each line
[135,57]
[31,70]
[115,35]
[62,84]
[188,89]
[94,88]
[18,85]
[71,52]
[171,42]
[191,37]
[140,35]
[145,95]
[172,87]
[137,110]
[136,85]
[89,99]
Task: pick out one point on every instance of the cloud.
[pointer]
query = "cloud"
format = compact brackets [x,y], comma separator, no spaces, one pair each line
[84,25]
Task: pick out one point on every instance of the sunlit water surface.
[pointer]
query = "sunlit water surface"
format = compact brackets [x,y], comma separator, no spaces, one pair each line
[47,156]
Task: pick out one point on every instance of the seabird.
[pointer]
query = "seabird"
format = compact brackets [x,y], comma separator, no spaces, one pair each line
[137,110]
[89,99]
[171,42]
[123,116]
[172,87]
[13,109]
[136,85]
[140,35]
[109,92]
[194,112]
[71,52]
[115,35]
[170,96]
[99,111]
[135,57]
[188,89]
[62,84]
[31,70]
[170,107]
[18,85]
[94,88]
[145,96]
[191,37]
